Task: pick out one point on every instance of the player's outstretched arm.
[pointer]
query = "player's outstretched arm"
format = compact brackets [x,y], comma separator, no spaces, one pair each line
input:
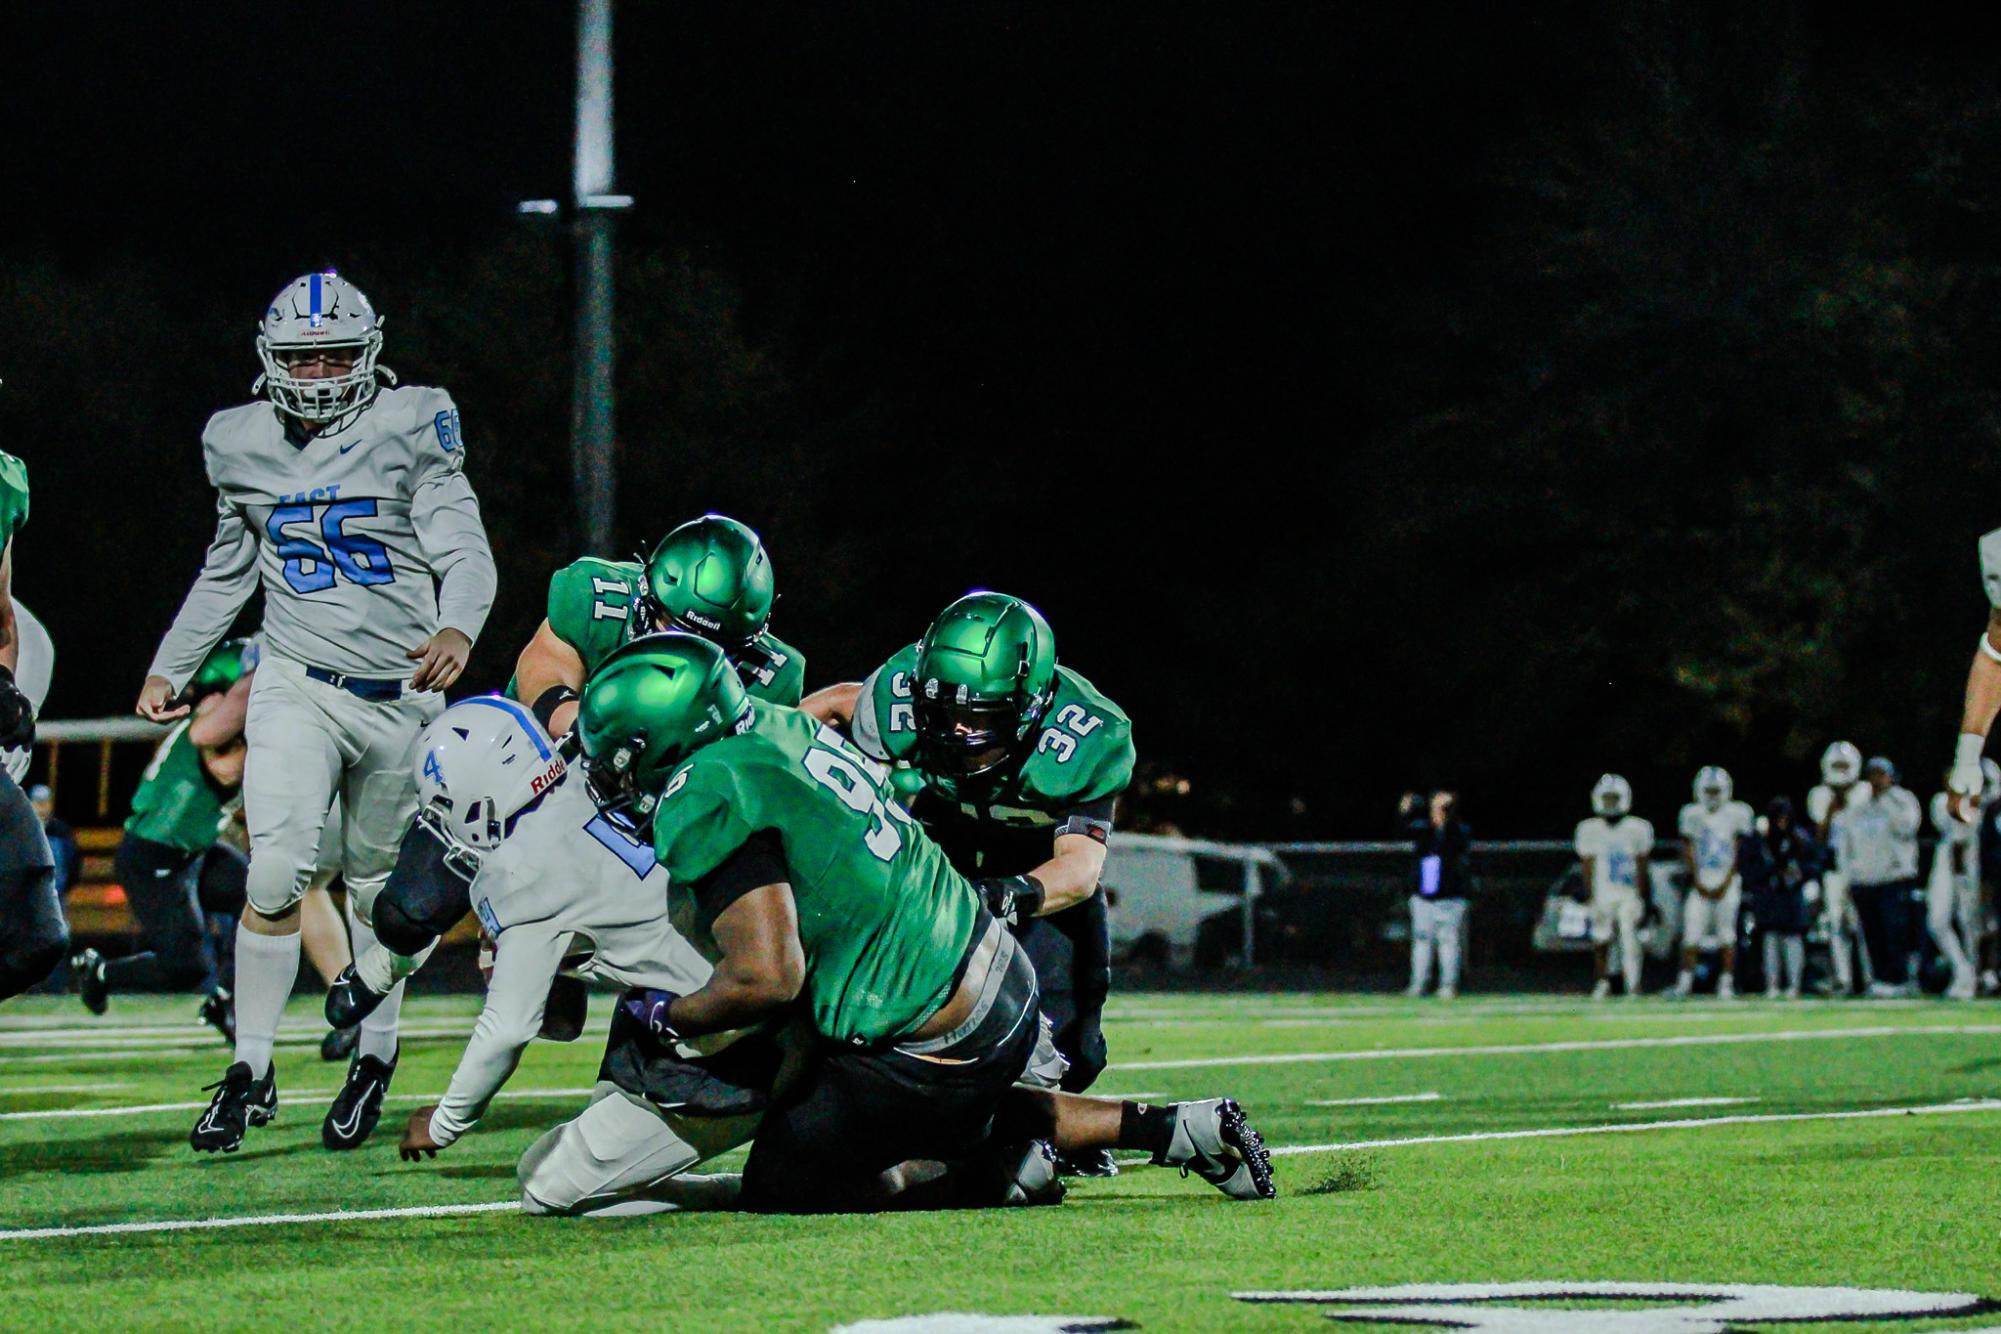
[762,970]
[833,705]
[548,663]
[1983,701]
[228,574]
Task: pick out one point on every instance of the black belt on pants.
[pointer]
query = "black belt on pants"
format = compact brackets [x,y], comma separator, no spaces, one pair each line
[361,687]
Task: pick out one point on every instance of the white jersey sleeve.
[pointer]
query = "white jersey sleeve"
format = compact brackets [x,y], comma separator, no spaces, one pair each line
[1643,837]
[228,576]
[525,962]
[1689,823]
[1819,800]
[445,513]
[1590,841]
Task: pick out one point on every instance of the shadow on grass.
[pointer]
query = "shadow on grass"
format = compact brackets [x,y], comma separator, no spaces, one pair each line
[124,1151]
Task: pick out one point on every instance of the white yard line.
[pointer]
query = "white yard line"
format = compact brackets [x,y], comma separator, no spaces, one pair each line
[444,1210]
[87,1039]
[258,1220]
[1666,1103]
[1582,1044]
[1638,1127]
[25,1090]
[1375,1102]
[142,1109]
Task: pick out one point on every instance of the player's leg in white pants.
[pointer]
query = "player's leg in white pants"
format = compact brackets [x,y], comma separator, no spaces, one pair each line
[1628,914]
[1834,885]
[378,800]
[1421,948]
[1449,929]
[290,774]
[1942,918]
[623,1155]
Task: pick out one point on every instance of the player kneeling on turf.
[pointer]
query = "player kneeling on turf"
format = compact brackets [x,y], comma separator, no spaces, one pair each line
[794,868]
[560,889]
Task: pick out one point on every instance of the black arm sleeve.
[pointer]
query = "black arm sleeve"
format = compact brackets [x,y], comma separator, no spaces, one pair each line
[1092,819]
[759,862]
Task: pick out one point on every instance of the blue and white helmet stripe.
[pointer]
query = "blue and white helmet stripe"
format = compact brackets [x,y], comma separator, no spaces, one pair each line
[479,764]
[319,312]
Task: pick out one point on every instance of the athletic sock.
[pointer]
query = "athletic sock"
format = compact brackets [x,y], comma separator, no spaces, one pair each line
[266,967]
[378,1031]
[1146,1127]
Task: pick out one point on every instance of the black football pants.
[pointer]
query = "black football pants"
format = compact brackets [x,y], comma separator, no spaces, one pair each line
[170,891]
[1072,953]
[33,935]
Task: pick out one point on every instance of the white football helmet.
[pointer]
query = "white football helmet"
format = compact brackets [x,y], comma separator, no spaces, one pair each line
[1713,787]
[479,764]
[319,312]
[1840,764]
[1611,797]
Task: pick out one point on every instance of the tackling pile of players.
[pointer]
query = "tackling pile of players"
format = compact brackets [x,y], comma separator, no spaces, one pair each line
[864,936]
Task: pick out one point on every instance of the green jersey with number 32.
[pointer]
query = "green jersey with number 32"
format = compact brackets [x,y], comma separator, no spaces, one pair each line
[884,921]
[1084,752]
[594,608]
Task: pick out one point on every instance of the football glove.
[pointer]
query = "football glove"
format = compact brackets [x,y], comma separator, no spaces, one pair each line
[17,714]
[1013,899]
[648,1005]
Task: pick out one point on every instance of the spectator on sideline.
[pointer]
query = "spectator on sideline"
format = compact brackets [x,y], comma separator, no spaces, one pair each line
[1441,879]
[1876,842]
[1775,865]
[62,839]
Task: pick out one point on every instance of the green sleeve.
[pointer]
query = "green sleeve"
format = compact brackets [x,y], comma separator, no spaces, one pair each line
[1084,751]
[698,823]
[13,497]
[591,606]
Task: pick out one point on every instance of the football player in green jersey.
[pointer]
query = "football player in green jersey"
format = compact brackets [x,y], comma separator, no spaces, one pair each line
[33,935]
[709,577]
[792,865]
[1014,764]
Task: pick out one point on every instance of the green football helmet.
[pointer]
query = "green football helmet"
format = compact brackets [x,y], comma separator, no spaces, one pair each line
[986,671]
[222,668]
[711,578]
[650,705]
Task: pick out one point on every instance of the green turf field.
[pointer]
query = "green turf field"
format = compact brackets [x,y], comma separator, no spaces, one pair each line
[1420,1186]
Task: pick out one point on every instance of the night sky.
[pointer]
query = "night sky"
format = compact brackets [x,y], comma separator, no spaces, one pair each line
[1135,312]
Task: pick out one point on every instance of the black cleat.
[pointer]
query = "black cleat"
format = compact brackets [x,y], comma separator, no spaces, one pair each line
[358,1105]
[239,1103]
[87,966]
[339,1043]
[349,1001]
[218,1011]
[1087,1163]
[1215,1140]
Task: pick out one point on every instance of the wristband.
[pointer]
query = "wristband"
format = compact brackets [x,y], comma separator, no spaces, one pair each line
[1013,899]
[1971,746]
[555,697]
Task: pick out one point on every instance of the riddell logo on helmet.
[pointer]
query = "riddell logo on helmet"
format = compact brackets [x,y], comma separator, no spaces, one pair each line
[706,622]
[547,777]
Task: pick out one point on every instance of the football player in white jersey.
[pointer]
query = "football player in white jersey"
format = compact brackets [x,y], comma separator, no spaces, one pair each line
[1983,691]
[1614,846]
[1840,771]
[562,889]
[345,498]
[1710,827]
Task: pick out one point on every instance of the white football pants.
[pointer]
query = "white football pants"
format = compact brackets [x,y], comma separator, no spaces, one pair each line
[623,1155]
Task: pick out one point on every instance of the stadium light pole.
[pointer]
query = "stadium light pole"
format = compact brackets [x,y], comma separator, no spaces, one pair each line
[593,397]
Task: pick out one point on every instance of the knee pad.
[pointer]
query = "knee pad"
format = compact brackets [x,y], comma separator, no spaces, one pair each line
[276,880]
[426,893]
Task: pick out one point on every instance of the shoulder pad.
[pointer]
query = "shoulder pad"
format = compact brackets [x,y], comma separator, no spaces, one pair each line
[1084,751]
[780,678]
[582,594]
[884,726]
[698,822]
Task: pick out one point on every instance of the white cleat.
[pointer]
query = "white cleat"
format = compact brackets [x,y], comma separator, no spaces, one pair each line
[1216,1141]
[1726,987]
[1602,990]
[1965,986]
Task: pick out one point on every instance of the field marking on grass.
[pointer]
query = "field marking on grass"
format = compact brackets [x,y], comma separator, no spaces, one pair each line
[1578,1044]
[1665,1103]
[88,1039]
[1376,1102]
[145,1108]
[1639,1127]
[27,1089]
[258,1220]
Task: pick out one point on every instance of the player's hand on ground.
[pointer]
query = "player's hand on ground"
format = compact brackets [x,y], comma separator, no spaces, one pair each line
[417,1143]
[440,659]
[155,697]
